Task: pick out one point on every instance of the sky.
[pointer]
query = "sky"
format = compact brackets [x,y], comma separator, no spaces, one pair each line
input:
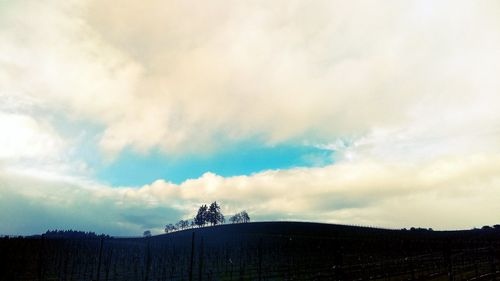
[122,116]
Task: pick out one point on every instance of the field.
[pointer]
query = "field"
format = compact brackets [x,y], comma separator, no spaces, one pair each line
[260,251]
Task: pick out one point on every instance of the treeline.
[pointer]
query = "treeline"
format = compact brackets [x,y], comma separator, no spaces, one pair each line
[206,215]
[485,227]
[72,234]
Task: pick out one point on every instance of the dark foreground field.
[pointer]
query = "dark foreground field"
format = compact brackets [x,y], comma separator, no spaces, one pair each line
[260,251]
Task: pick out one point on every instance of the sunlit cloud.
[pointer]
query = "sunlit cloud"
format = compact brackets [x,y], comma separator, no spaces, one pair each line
[404,95]
[443,194]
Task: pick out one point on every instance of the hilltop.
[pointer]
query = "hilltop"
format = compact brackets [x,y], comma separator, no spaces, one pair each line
[260,251]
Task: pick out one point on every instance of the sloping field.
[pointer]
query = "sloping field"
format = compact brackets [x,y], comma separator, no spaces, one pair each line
[260,251]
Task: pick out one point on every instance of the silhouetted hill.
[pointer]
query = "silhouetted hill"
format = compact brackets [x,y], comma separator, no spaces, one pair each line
[260,251]
[323,230]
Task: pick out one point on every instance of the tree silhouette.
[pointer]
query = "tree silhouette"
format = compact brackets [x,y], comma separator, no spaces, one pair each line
[201,217]
[235,218]
[72,234]
[182,224]
[169,228]
[245,217]
[240,217]
[147,233]
[215,215]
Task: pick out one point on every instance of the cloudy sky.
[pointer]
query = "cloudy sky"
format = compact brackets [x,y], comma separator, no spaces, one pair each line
[121,116]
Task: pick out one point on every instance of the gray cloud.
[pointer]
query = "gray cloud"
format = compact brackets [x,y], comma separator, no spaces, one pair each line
[443,193]
[411,85]
[188,77]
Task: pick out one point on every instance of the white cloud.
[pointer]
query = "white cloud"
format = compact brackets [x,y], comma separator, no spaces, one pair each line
[183,76]
[25,138]
[446,193]
[52,62]
[35,147]
[411,85]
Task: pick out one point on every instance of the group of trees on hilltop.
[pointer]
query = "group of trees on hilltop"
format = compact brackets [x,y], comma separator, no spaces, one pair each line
[240,217]
[207,215]
[180,225]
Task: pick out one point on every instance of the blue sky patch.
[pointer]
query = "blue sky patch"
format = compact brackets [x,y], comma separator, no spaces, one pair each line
[131,168]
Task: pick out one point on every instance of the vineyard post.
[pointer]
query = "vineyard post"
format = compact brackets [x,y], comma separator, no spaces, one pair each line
[66,262]
[290,254]
[231,275]
[492,261]
[40,259]
[227,258]
[447,253]
[99,259]
[450,269]
[200,268]
[412,268]
[192,258]
[260,259]
[148,258]
[338,259]
[242,266]
[108,264]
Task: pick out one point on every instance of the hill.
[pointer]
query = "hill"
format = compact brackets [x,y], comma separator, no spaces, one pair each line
[260,251]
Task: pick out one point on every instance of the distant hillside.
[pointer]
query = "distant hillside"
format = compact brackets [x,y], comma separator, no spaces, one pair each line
[260,251]
[327,231]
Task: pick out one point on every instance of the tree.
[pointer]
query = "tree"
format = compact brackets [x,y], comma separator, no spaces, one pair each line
[169,228]
[240,217]
[182,224]
[245,217]
[201,217]
[147,233]
[235,218]
[215,215]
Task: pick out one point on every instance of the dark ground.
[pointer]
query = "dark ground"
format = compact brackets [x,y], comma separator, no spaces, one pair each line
[259,251]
